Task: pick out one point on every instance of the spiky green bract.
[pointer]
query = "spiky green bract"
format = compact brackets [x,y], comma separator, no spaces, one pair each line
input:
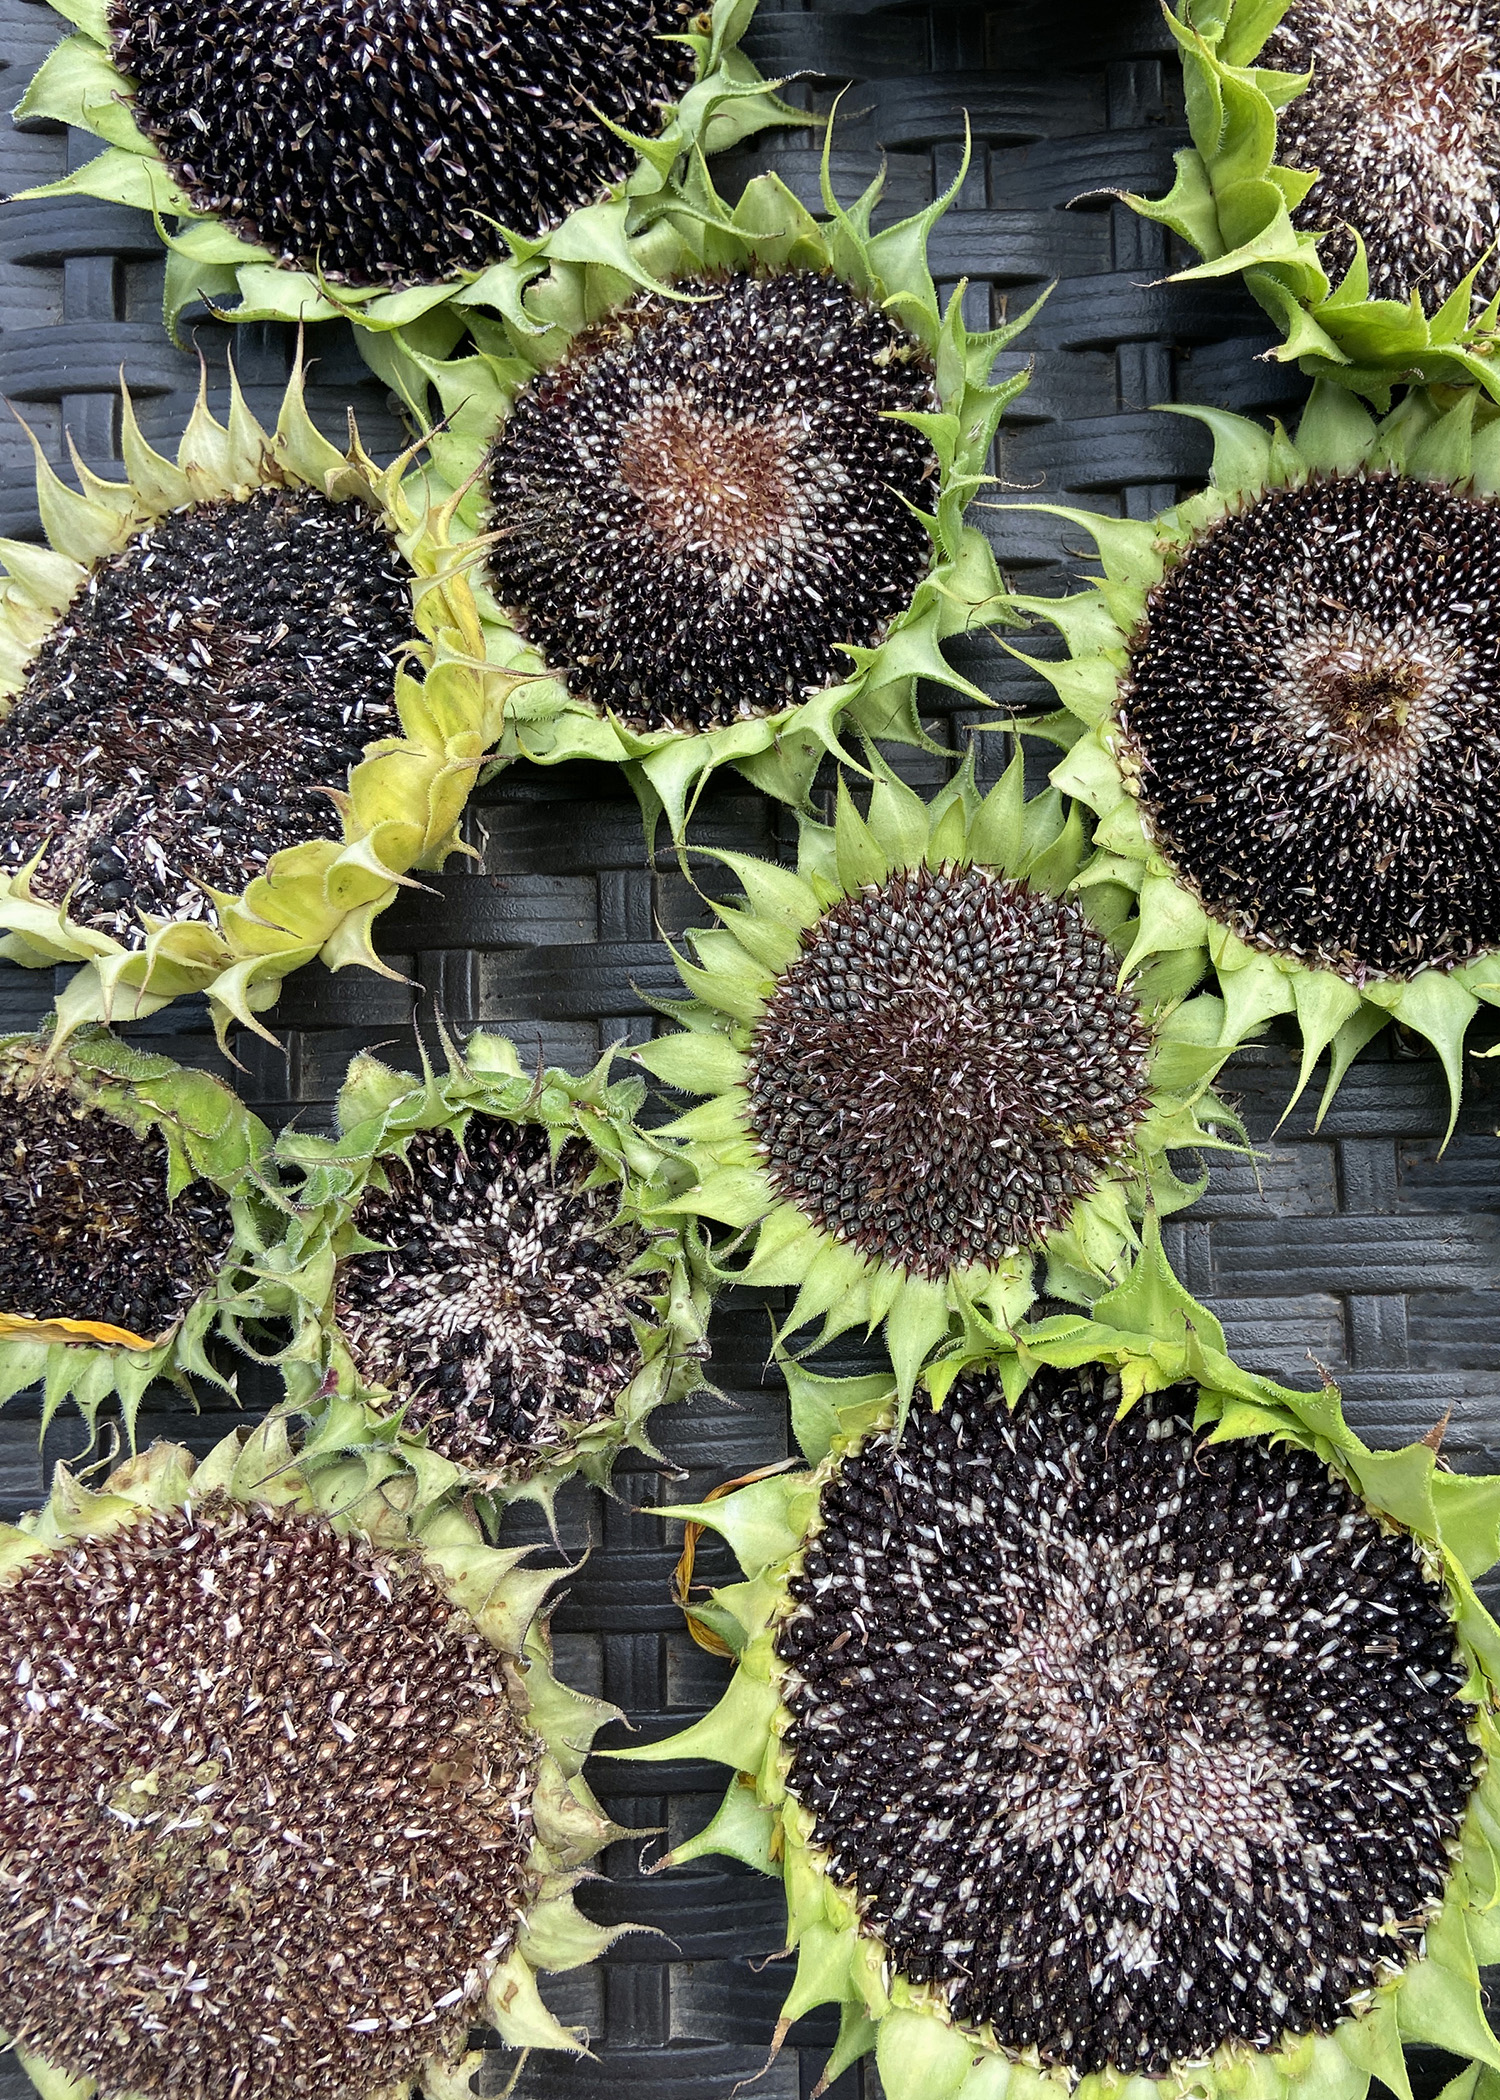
[505,1601]
[79,85]
[1155,1335]
[404,801]
[379,1112]
[1233,203]
[767,231]
[739,964]
[209,1136]
[1438,438]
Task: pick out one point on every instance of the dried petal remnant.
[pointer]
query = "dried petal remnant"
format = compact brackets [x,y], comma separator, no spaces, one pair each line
[86,1231]
[502,1313]
[1313,715]
[264,1812]
[390,141]
[947,1068]
[1129,1745]
[702,501]
[1401,122]
[184,719]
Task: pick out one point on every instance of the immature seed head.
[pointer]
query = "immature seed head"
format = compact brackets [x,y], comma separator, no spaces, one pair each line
[1129,1745]
[186,716]
[946,1069]
[1313,707]
[702,501]
[264,1811]
[394,141]
[86,1231]
[1401,121]
[502,1313]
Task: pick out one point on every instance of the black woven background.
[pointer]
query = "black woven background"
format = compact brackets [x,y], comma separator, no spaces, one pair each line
[1356,1249]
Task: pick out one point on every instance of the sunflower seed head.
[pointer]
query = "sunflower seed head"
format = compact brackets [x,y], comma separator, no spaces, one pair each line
[181,721]
[266,1810]
[503,1313]
[390,141]
[1311,713]
[1129,1745]
[86,1231]
[1401,121]
[946,1069]
[701,501]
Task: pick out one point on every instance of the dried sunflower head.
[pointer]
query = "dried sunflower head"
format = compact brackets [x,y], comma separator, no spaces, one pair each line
[292,1797]
[925,1070]
[130,1189]
[379,159]
[1283,702]
[1344,159]
[1119,1722]
[479,1278]
[727,512]
[239,699]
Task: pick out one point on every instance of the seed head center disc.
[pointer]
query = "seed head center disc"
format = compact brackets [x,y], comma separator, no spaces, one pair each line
[707,496]
[946,1069]
[264,1817]
[1313,716]
[503,1313]
[1400,121]
[1131,1746]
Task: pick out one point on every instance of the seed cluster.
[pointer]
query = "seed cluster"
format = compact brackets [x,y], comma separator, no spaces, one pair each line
[86,1231]
[264,1812]
[390,141]
[947,1068]
[1314,708]
[701,501]
[502,1314]
[1401,120]
[1129,1745]
[184,719]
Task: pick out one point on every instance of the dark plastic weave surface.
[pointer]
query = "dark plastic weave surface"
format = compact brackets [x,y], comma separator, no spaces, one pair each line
[1356,1249]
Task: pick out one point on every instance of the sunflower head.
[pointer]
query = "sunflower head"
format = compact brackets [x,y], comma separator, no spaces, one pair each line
[482,1289]
[1119,1720]
[726,509]
[131,1191]
[218,748]
[926,1070]
[1344,159]
[382,161]
[294,1797]
[1280,704]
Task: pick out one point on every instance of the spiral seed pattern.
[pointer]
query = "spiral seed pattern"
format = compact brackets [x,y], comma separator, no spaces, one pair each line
[1129,1745]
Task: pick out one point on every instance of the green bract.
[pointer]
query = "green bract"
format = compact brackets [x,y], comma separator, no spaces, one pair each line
[1423,439]
[767,232]
[209,1136]
[380,1111]
[404,801]
[742,963]
[1233,203]
[497,1597]
[1154,1336]
[207,262]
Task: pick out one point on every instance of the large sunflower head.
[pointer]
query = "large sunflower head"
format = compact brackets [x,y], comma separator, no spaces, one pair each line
[1283,702]
[379,161]
[1118,1723]
[292,1797]
[726,512]
[241,695]
[1344,158]
[925,1070]
[130,1188]
[481,1284]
